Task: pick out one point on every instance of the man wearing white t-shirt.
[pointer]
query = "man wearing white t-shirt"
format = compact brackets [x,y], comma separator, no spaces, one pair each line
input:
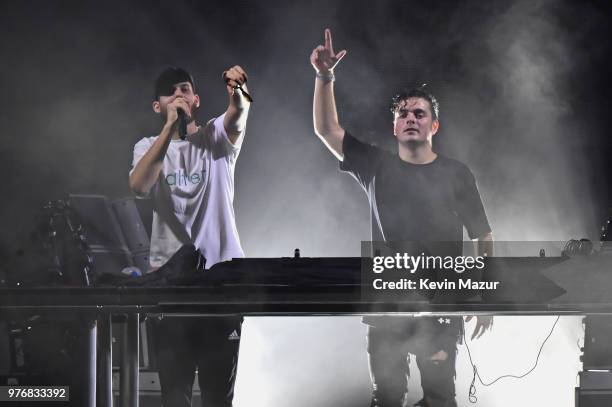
[191,182]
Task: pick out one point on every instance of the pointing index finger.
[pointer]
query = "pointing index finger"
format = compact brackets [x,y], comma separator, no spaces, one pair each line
[328,40]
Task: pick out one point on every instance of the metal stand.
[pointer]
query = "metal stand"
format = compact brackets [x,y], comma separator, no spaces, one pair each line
[129,362]
[105,362]
[92,339]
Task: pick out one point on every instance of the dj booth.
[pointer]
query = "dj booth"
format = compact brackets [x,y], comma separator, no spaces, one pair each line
[299,286]
[561,285]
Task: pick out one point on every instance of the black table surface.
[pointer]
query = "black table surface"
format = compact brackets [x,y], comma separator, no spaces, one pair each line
[333,286]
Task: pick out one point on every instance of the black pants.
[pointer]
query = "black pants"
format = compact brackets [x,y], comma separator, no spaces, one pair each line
[391,339]
[211,344]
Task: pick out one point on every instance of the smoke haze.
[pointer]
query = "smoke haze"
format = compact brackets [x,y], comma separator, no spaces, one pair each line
[523,88]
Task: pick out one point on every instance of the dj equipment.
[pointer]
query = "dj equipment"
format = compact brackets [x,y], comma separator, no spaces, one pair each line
[595,389]
[56,253]
[333,285]
[77,239]
[133,229]
[114,232]
[298,286]
[597,339]
[282,286]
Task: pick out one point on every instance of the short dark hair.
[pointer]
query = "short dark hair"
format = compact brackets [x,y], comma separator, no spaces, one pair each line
[170,77]
[419,92]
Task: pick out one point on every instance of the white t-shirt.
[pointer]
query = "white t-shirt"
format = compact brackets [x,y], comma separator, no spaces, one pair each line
[193,196]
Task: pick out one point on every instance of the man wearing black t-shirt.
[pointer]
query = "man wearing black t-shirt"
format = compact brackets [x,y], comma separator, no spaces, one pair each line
[416,195]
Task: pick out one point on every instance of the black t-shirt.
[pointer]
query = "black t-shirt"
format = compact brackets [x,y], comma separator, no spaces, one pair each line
[416,202]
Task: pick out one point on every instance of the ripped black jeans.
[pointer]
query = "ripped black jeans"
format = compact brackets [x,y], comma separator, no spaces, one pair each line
[391,339]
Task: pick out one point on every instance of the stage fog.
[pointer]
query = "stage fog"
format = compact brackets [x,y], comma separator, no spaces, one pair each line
[522,92]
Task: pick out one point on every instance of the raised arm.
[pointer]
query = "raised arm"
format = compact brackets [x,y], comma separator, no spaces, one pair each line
[325,115]
[148,168]
[238,109]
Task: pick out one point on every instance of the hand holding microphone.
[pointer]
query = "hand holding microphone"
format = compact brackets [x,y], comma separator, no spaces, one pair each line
[182,124]
[236,78]
[178,115]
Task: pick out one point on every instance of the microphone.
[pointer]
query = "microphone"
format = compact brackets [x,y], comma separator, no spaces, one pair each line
[182,119]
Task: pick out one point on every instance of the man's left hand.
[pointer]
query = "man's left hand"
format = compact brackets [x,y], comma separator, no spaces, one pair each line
[483,323]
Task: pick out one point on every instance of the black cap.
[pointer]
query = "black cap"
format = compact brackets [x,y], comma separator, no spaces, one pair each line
[164,85]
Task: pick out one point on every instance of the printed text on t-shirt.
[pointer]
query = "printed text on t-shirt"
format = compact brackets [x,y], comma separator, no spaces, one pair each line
[179,178]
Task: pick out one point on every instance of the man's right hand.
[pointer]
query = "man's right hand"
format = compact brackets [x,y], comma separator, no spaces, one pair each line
[323,58]
[179,103]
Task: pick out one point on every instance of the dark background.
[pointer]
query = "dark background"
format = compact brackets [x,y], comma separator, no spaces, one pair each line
[523,88]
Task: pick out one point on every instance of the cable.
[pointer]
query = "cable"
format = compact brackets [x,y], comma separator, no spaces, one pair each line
[573,247]
[472,392]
